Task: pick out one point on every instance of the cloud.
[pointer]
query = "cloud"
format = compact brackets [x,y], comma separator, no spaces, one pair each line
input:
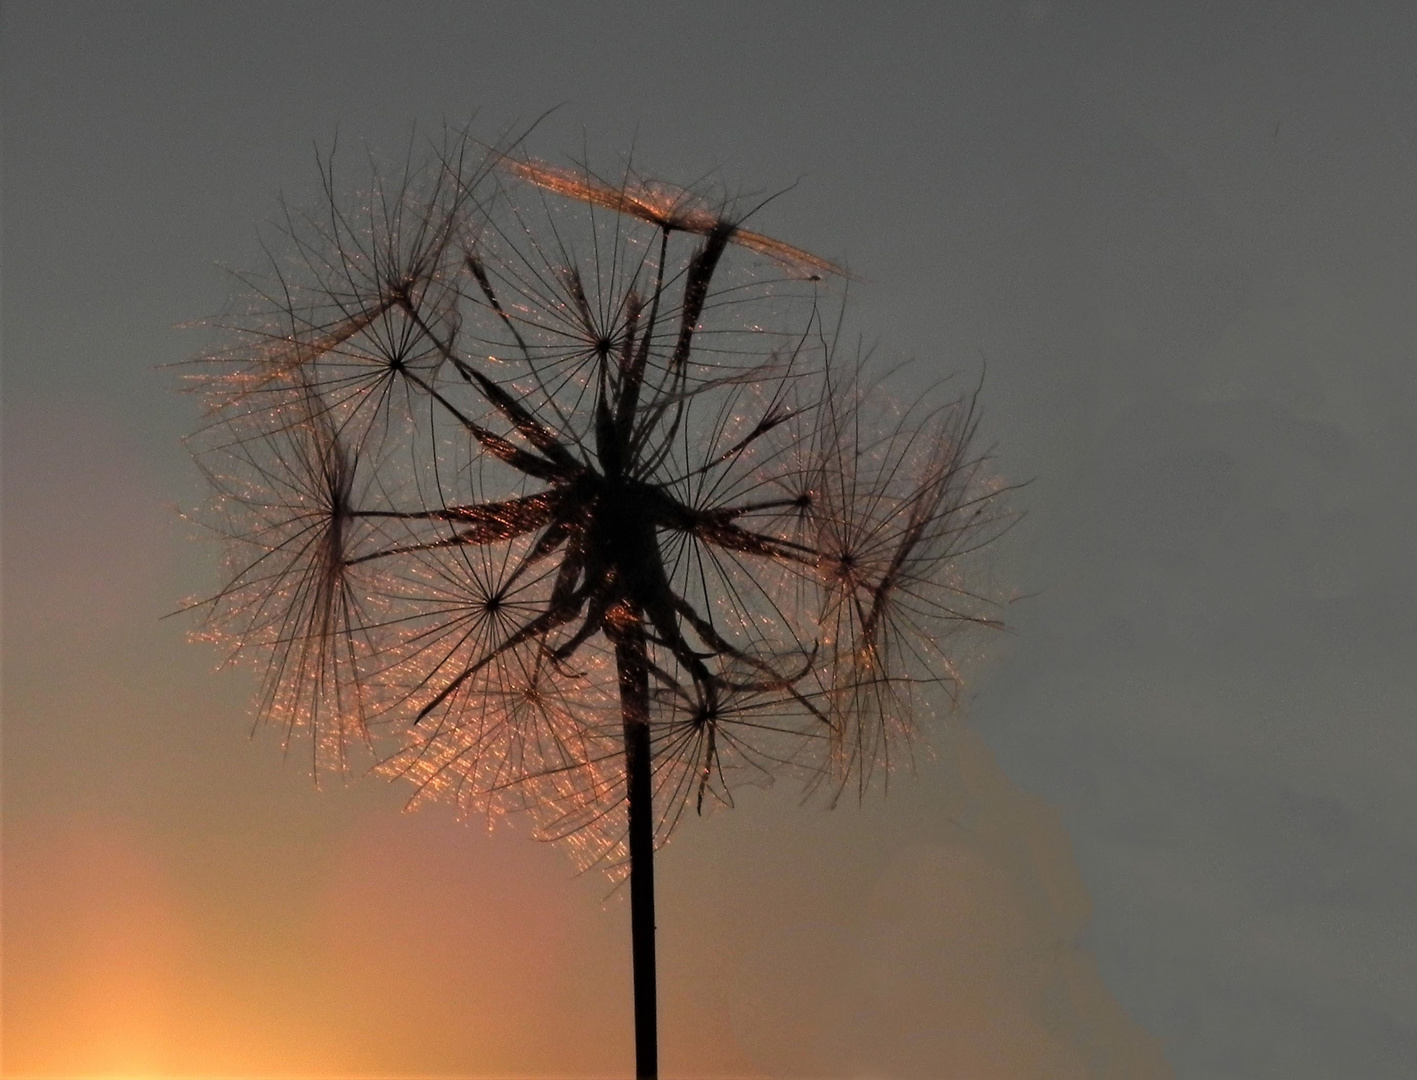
[968,958]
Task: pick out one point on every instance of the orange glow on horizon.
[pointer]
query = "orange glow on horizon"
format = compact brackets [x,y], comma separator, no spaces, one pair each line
[408,955]
[417,948]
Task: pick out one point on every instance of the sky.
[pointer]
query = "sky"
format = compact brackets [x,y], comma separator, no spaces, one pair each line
[1173,832]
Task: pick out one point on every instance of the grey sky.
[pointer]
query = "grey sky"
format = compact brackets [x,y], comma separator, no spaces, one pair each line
[1180,240]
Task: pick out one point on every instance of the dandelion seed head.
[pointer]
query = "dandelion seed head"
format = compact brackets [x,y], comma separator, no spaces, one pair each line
[509,459]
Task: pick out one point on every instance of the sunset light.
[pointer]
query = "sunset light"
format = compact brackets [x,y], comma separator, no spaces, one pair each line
[738,541]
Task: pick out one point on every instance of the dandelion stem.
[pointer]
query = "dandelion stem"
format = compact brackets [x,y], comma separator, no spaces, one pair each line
[632,666]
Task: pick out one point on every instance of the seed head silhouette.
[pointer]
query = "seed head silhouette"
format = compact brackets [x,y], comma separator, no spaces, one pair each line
[565,497]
